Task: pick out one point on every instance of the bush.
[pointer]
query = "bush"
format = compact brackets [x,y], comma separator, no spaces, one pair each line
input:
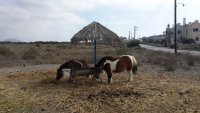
[195,47]
[167,60]
[122,51]
[30,54]
[170,67]
[133,43]
[187,41]
[5,52]
[37,45]
[190,62]
[190,59]
[61,46]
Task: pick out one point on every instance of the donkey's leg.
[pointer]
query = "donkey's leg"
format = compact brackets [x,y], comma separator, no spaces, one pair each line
[130,75]
[110,80]
[71,79]
[109,74]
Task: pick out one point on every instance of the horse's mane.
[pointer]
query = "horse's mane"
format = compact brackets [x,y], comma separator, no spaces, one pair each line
[72,63]
[66,64]
[104,59]
[84,63]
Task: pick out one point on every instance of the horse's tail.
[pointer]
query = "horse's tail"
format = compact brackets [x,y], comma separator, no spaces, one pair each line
[134,68]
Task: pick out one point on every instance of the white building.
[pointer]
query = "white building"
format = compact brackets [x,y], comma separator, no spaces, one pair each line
[188,31]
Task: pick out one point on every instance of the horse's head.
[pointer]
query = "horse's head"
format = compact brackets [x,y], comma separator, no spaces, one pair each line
[59,74]
[67,64]
[99,67]
[71,64]
[97,73]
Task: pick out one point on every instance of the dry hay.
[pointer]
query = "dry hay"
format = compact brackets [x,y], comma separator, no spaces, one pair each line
[152,90]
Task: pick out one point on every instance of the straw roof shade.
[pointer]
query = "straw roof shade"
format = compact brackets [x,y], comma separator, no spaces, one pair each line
[97,31]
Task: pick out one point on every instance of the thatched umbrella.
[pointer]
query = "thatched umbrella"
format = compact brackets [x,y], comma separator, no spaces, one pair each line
[97,31]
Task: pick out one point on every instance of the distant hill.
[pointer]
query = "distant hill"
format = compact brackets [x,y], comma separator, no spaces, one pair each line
[12,40]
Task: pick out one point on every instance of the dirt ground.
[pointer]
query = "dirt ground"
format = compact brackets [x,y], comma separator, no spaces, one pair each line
[153,89]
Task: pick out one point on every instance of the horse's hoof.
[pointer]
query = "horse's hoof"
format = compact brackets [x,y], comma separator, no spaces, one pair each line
[71,81]
[55,81]
[110,82]
[93,79]
[101,80]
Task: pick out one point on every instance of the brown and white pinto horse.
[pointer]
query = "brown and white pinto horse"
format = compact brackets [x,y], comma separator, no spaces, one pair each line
[71,64]
[111,65]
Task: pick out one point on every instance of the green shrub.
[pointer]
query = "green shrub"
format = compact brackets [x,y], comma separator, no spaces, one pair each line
[5,52]
[167,60]
[61,46]
[190,62]
[170,67]
[50,50]
[30,54]
[122,51]
[194,47]
[190,59]
[37,45]
[133,43]
[187,41]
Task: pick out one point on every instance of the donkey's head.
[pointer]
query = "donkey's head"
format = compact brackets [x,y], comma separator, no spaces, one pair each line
[59,74]
[99,67]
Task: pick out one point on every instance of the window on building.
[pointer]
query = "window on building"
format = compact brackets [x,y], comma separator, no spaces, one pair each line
[197,38]
[195,29]
[179,32]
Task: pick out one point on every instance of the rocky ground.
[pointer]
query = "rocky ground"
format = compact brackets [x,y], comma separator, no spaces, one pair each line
[34,89]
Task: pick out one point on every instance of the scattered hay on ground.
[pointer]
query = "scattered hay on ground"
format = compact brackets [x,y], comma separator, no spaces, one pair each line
[152,90]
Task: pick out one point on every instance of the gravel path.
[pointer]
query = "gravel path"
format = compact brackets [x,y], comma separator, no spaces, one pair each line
[196,53]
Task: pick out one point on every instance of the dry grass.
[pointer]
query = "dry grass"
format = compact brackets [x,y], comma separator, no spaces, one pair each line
[29,54]
[195,47]
[169,61]
[152,90]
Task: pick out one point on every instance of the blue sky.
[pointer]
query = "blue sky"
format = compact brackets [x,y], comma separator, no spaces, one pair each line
[59,20]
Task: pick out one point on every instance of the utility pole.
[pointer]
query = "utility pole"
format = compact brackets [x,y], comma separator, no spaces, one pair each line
[175,29]
[135,29]
[131,35]
[175,42]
